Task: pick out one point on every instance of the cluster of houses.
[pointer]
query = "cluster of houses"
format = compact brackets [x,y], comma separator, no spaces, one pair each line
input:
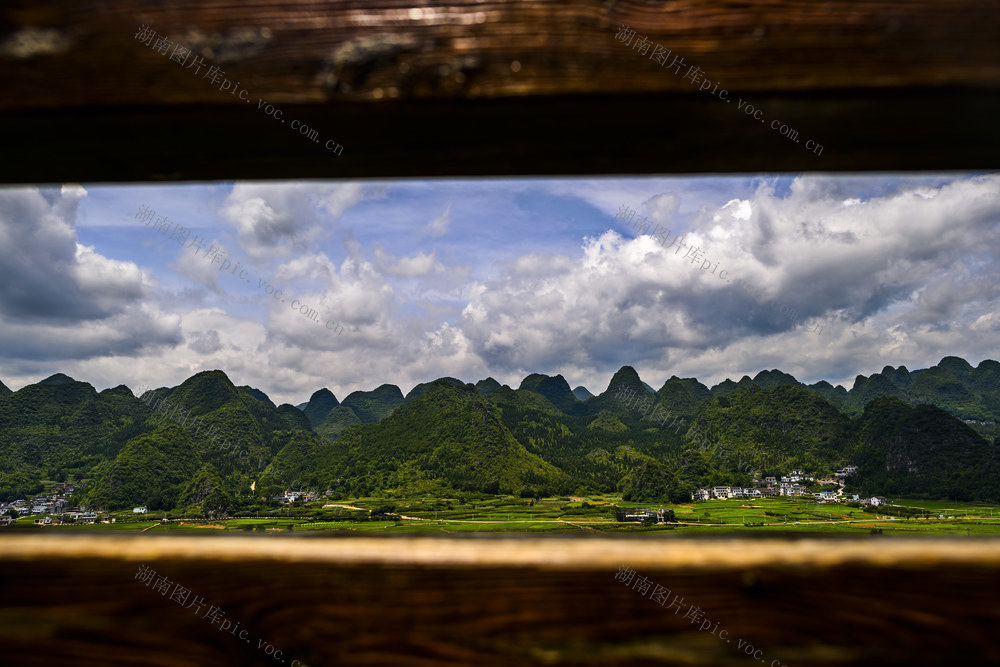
[288,497]
[45,506]
[53,509]
[788,485]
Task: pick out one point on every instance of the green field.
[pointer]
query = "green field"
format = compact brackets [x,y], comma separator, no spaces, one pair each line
[507,514]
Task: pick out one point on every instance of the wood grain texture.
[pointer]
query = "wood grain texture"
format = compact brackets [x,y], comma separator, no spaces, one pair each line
[294,52]
[417,601]
[494,88]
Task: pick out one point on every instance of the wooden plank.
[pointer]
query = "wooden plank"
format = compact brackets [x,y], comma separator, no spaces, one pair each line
[490,88]
[305,51]
[449,601]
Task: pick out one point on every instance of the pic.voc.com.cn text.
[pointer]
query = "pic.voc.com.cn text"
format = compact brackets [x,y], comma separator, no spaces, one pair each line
[214,74]
[626,35]
[162,224]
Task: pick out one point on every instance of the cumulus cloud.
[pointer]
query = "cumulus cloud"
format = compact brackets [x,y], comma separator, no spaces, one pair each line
[271,218]
[421,264]
[910,258]
[663,207]
[60,299]
[894,270]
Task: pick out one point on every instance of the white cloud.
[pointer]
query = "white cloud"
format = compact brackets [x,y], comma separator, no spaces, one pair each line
[439,225]
[271,218]
[421,264]
[899,269]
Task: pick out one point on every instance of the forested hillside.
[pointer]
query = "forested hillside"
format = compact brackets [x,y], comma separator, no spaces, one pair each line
[212,447]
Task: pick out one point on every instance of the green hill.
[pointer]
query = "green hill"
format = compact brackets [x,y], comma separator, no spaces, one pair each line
[319,406]
[151,470]
[970,394]
[447,438]
[422,388]
[375,405]
[487,386]
[923,451]
[555,389]
[206,420]
[61,428]
[607,422]
[337,419]
[785,427]
[207,494]
[625,382]
[683,396]
[213,447]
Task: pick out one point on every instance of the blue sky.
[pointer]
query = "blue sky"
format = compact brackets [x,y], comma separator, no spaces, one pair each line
[501,278]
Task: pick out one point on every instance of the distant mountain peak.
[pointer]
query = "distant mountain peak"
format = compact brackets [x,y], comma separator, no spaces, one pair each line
[422,388]
[774,378]
[626,376]
[258,394]
[375,405]
[319,406]
[487,386]
[554,388]
[58,378]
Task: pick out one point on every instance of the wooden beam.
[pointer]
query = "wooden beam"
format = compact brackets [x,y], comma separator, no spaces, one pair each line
[422,601]
[493,88]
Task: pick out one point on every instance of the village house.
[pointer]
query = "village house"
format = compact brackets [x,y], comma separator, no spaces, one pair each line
[721,492]
[702,494]
[771,481]
[874,501]
[139,510]
[639,514]
[6,520]
[789,489]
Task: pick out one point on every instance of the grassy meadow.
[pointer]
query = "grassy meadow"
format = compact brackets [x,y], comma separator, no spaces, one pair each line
[592,515]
